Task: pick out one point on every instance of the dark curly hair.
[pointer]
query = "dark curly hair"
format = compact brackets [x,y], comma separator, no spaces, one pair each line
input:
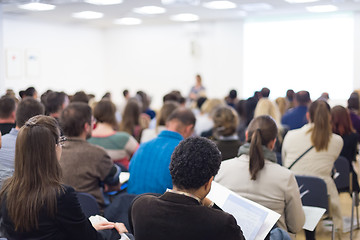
[194,161]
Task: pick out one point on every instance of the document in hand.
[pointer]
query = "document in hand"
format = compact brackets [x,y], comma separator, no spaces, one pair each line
[255,220]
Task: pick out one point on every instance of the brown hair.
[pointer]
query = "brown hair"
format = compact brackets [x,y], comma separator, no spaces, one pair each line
[225,120]
[341,122]
[37,177]
[165,111]
[261,131]
[130,117]
[321,130]
[104,112]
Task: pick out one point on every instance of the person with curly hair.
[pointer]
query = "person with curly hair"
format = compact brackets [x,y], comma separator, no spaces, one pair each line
[184,212]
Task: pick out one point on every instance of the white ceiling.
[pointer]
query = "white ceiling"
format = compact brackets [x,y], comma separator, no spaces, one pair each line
[64,9]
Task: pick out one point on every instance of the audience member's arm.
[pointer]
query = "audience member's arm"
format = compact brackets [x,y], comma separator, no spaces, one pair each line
[294,214]
[111,182]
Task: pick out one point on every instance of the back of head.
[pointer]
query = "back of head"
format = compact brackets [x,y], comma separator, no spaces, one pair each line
[171,97]
[165,111]
[341,122]
[233,94]
[54,101]
[211,104]
[353,102]
[261,131]
[194,161]
[104,112]
[319,112]
[303,98]
[225,121]
[74,117]
[27,108]
[265,92]
[266,107]
[80,97]
[37,176]
[7,106]
[290,95]
[183,115]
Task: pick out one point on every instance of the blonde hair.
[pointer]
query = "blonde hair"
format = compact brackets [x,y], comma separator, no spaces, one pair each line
[225,120]
[282,106]
[267,107]
[211,104]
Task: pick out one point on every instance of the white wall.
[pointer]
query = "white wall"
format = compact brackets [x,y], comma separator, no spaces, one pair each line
[159,59]
[71,57]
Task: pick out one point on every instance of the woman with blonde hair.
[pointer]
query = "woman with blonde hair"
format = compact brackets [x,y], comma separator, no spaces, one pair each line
[226,121]
[256,175]
[266,107]
[34,202]
[319,148]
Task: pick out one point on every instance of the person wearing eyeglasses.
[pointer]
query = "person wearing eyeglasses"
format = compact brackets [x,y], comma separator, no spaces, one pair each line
[35,204]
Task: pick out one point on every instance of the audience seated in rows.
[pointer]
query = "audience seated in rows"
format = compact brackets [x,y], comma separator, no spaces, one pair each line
[256,175]
[321,148]
[86,167]
[27,108]
[296,117]
[184,212]
[120,146]
[7,114]
[149,167]
[34,202]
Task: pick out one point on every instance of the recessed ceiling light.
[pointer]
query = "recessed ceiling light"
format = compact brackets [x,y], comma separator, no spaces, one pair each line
[322,8]
[128,21]
[185,17]
[219,5]
[301,1]
[104,2]
[88,15]
[150,10]
[35,6]
[179,2]
[253,7]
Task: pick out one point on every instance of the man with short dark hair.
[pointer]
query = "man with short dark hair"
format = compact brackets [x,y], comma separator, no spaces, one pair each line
[149,166]
[86,167]
[55,103]
[296,117]
[27,108]
[7,114]
[184,212]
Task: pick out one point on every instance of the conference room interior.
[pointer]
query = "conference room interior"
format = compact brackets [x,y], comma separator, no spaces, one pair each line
[281,48]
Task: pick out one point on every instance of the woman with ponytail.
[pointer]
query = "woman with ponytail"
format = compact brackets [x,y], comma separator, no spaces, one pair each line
[321,148]
[255,175]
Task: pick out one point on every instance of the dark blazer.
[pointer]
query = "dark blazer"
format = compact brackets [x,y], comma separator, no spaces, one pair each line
[177,217]
[69,222]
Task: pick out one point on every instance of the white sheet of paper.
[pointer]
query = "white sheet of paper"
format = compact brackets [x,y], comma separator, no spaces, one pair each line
[312,217]
[255,220]
[124,177]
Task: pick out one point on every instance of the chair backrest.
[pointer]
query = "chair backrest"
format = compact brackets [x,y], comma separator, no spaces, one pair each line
[314,191]
[342,181]
[88,204]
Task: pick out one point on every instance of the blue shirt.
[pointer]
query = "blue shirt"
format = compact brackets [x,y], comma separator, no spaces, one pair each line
[295,118]
[7,150]
[149,167]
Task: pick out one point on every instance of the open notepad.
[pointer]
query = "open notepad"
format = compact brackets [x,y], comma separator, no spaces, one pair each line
[255,220]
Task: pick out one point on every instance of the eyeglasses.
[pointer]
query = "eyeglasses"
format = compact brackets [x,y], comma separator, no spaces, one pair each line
[62,140]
